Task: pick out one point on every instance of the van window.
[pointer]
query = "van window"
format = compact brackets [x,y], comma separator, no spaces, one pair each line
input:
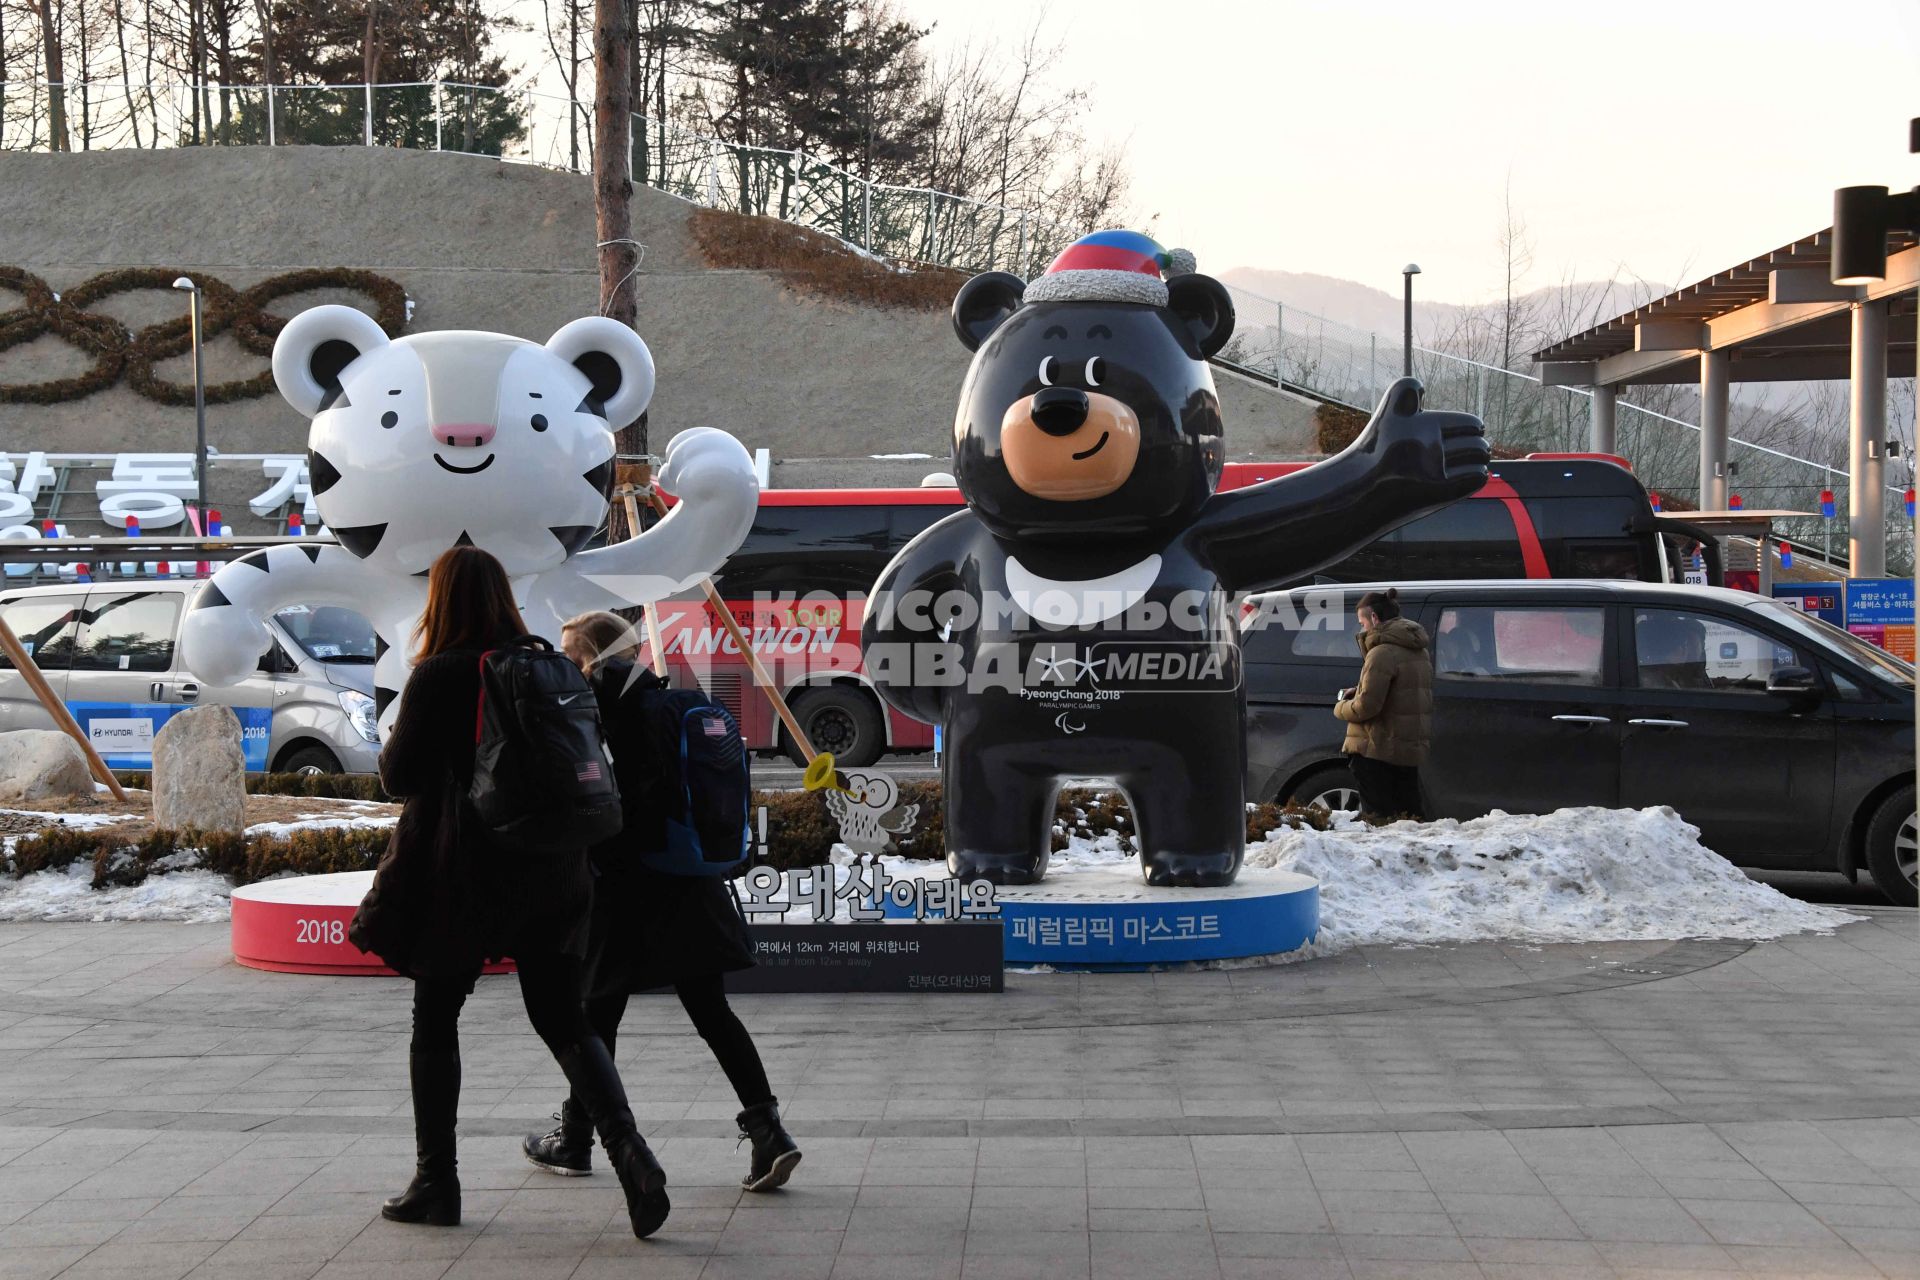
[46,625]
[1679,649]
[130,631]
[1516,643]
[329,633]
[1326,642]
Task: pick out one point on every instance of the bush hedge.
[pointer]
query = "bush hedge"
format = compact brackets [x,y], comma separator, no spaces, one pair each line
[810,262]
[800,833]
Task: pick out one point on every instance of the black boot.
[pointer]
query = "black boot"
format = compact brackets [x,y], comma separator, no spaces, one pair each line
[775,1153]
[433,1197]
[596,1084]
[568,1150]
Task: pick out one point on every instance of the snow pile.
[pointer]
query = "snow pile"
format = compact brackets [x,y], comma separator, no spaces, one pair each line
[197,897]
[1578,875]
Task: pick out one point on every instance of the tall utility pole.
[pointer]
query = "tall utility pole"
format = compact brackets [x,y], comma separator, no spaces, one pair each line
[613,196]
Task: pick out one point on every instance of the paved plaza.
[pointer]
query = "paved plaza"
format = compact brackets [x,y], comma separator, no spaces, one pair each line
[1645,1109]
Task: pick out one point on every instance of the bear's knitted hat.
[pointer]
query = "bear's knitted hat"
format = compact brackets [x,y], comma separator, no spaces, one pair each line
[1110,266]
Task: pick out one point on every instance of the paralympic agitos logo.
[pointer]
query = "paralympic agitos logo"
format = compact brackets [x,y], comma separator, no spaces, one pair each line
[117,350]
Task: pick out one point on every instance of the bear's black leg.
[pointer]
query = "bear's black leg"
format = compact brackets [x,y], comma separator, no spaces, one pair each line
[1189,809]
[998,816]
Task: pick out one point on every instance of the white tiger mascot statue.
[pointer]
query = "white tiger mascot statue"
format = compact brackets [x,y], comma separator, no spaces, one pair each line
[431,440]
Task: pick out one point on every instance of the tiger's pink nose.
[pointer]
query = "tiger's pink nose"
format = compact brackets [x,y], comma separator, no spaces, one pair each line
[464,435]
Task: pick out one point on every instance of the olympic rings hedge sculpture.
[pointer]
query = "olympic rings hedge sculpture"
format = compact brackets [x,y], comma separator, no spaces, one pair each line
[117,350]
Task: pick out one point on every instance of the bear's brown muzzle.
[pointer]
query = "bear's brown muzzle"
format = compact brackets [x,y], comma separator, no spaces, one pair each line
[1057,451]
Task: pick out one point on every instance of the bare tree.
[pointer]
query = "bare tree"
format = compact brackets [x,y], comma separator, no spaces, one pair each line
[613,198]
[54,61]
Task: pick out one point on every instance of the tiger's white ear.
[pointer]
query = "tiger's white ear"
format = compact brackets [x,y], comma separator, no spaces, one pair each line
[315,348]
[615,361]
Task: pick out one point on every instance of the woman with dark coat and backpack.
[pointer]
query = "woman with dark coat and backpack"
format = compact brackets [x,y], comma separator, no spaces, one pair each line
[1389,714]
[654,930]
[451,896]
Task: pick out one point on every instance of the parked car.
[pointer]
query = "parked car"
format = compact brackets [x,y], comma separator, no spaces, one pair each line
[1786,740]
[108,650]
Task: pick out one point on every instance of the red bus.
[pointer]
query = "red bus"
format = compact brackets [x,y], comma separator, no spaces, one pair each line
[797,584]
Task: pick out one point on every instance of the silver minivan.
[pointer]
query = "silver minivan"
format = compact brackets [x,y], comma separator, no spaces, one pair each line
[109,651]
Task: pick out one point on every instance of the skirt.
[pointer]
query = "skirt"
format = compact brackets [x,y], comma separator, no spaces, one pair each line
[652,930]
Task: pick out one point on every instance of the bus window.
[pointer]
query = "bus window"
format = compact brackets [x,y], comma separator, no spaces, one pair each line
[1603,559]
[908,522]
[797,550]
[1468,539]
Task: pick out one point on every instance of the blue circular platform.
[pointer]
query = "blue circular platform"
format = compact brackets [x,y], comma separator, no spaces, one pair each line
[1102,916]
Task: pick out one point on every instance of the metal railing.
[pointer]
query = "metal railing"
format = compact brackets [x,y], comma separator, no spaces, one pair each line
[909,224]
[1354,367]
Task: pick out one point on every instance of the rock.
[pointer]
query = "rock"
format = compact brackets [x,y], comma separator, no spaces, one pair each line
[199,773]
[40,764]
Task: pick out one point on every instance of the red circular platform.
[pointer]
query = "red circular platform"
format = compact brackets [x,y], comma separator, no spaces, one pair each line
[299,925]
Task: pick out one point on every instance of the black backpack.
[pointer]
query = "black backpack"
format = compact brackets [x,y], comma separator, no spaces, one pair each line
[704,788]
[542,776]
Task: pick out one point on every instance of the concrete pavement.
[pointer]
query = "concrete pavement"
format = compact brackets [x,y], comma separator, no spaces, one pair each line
[1645,1109]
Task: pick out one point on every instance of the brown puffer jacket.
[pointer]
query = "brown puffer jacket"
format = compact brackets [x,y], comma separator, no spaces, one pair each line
[1390,715]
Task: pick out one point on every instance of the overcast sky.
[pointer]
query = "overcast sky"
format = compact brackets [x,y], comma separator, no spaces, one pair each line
[1658,137]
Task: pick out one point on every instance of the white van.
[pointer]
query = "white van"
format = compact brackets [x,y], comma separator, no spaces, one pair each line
[109,651]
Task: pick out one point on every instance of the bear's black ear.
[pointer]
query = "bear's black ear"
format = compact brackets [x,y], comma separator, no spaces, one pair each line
[1206,308]
[983,304]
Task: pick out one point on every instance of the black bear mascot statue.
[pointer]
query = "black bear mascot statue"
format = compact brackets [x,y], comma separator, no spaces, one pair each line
[1077,619]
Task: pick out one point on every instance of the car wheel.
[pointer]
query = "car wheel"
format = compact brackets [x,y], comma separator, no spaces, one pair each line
[1893,848]
[841,719]
[308,761]
[1333,787]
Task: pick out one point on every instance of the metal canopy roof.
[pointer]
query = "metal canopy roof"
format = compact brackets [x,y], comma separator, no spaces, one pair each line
[1777,315]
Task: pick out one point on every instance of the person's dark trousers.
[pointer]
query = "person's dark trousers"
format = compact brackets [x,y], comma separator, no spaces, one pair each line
[1387,790]
[705,1000]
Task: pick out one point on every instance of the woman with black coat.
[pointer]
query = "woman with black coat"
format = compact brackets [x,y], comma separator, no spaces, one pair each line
[652,930]
[450,897]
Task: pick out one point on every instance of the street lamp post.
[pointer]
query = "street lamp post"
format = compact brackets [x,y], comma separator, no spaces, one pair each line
[199,394]
[1407,273]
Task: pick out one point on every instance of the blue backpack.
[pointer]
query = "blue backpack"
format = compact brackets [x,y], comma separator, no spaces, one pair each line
[704,794]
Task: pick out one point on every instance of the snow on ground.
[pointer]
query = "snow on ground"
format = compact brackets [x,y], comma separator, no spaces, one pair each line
[78,821]
[1578,875]
[197,897]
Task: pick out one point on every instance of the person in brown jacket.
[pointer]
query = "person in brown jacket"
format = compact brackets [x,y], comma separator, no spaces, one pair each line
[1389,714]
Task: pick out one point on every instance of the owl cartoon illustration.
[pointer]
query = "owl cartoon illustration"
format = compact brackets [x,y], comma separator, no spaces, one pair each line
[869,812]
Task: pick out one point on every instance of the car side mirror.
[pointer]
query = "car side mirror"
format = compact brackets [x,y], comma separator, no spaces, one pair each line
[1793,680]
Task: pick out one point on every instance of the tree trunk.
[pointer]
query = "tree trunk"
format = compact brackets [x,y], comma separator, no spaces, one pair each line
[126,72]
[613,199]
[56,81]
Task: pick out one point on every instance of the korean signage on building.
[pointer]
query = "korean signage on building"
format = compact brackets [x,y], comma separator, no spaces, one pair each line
[1881,610]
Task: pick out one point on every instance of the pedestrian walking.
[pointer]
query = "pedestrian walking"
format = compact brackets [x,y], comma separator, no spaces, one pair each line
[451,895]
[1389,714]
[654,930]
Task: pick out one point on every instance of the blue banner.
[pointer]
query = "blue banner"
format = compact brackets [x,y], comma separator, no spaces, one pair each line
[1883,602]
[123,732]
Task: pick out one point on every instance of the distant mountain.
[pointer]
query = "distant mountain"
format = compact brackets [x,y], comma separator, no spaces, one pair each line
[1364,307]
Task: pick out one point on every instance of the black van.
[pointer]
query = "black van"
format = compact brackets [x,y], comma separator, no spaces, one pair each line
[1787,741]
